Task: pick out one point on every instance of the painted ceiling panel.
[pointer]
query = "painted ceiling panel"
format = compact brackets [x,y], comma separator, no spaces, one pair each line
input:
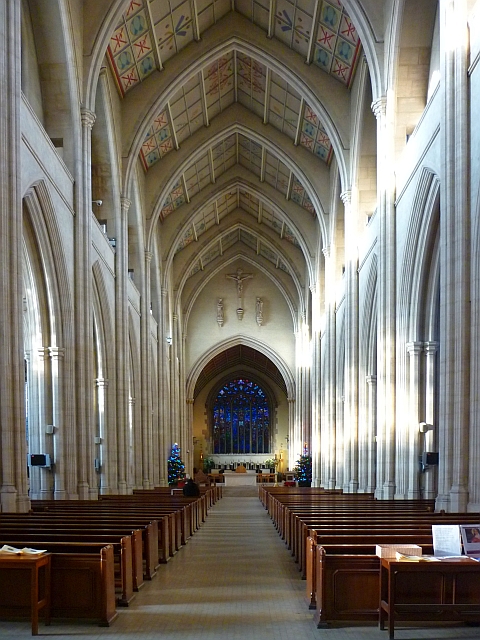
[210,12]
[173,26]
[248,239]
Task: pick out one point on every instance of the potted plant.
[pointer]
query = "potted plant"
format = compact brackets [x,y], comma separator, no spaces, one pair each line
[208,465]
[303,470]
[270,464]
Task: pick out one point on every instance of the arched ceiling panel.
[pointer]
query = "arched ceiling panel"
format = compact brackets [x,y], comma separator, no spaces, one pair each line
[153,31]
[235,77]
[228,143]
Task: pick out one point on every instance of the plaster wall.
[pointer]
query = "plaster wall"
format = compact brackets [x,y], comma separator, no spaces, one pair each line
[422,151]
[41,163]
[203,331]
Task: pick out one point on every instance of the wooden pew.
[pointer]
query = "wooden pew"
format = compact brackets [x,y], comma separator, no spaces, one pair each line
[155,532]
[82,581]
[121,545]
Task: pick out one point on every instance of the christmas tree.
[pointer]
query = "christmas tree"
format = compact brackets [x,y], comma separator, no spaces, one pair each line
[303,470]
[176,468]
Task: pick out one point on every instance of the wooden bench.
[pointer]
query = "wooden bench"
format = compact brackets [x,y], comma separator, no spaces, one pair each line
[82,581]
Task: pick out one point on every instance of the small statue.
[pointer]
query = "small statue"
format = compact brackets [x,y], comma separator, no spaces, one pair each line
[220,316]
[259,311]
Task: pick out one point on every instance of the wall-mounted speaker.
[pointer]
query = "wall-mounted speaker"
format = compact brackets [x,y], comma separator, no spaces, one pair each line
[39,460]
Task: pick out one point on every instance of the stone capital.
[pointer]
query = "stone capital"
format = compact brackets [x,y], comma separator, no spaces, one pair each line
[371,380]
[430,348]
[326,250]
[88,118]
[379,107]
[346,197]
[101,382]
[148,256]
[56,353]
[414,348]
[190,400]
[42,353]
[125,203]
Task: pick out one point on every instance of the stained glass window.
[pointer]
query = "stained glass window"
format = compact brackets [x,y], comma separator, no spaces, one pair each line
[241,418]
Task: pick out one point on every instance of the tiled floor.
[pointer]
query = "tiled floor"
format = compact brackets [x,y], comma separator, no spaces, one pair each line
[233,580]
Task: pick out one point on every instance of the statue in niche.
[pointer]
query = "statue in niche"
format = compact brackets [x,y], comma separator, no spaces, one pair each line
[220,316]
[259,311]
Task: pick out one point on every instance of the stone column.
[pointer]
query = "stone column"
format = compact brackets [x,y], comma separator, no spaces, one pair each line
[104,451]
[57,357]
[329,444]
[122,343]
[146,398]
[316,392]
[164,392]
[410,462]
[430,438]
[351,348]
[371,433]
[84,319]
[135,449]
[189,402]
[454,259]
[46,413]
[13,470]
[175,399]
[292,416]
[40,486]
[386,300]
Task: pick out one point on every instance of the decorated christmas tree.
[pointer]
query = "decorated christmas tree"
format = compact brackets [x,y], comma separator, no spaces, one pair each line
[176,468]
[303,469]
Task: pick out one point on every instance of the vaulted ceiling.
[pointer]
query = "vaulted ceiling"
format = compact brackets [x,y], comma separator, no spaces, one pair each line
[236,111]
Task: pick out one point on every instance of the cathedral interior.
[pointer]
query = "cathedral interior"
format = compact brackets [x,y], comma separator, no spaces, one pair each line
[246,227]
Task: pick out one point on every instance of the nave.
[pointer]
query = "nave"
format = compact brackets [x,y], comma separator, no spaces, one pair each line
[234,579]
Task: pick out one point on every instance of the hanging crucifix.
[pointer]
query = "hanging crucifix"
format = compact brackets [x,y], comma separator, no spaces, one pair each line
[239,277]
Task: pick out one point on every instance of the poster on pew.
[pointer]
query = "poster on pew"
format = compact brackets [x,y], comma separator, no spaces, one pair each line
[13,551]
[471,540]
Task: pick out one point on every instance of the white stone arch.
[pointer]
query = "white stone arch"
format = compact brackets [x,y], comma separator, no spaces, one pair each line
[207,277]
[367,424]
[95,51]
[372,42]
[417,259]
[267,351]
[56,341]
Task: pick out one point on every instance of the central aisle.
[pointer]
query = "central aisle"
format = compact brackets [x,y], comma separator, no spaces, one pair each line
[234,579]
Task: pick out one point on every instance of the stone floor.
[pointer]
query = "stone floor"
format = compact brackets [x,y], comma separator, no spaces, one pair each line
[233,580]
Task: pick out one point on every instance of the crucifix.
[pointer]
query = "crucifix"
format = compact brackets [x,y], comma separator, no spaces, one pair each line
[239,277]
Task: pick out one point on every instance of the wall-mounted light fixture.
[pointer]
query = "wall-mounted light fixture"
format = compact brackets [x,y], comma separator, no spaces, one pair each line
[168,339]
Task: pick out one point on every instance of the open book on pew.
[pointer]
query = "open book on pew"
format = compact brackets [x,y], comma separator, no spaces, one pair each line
[402,557]
[13,551]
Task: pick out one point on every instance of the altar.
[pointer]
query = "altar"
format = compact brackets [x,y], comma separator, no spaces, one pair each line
[233,479]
